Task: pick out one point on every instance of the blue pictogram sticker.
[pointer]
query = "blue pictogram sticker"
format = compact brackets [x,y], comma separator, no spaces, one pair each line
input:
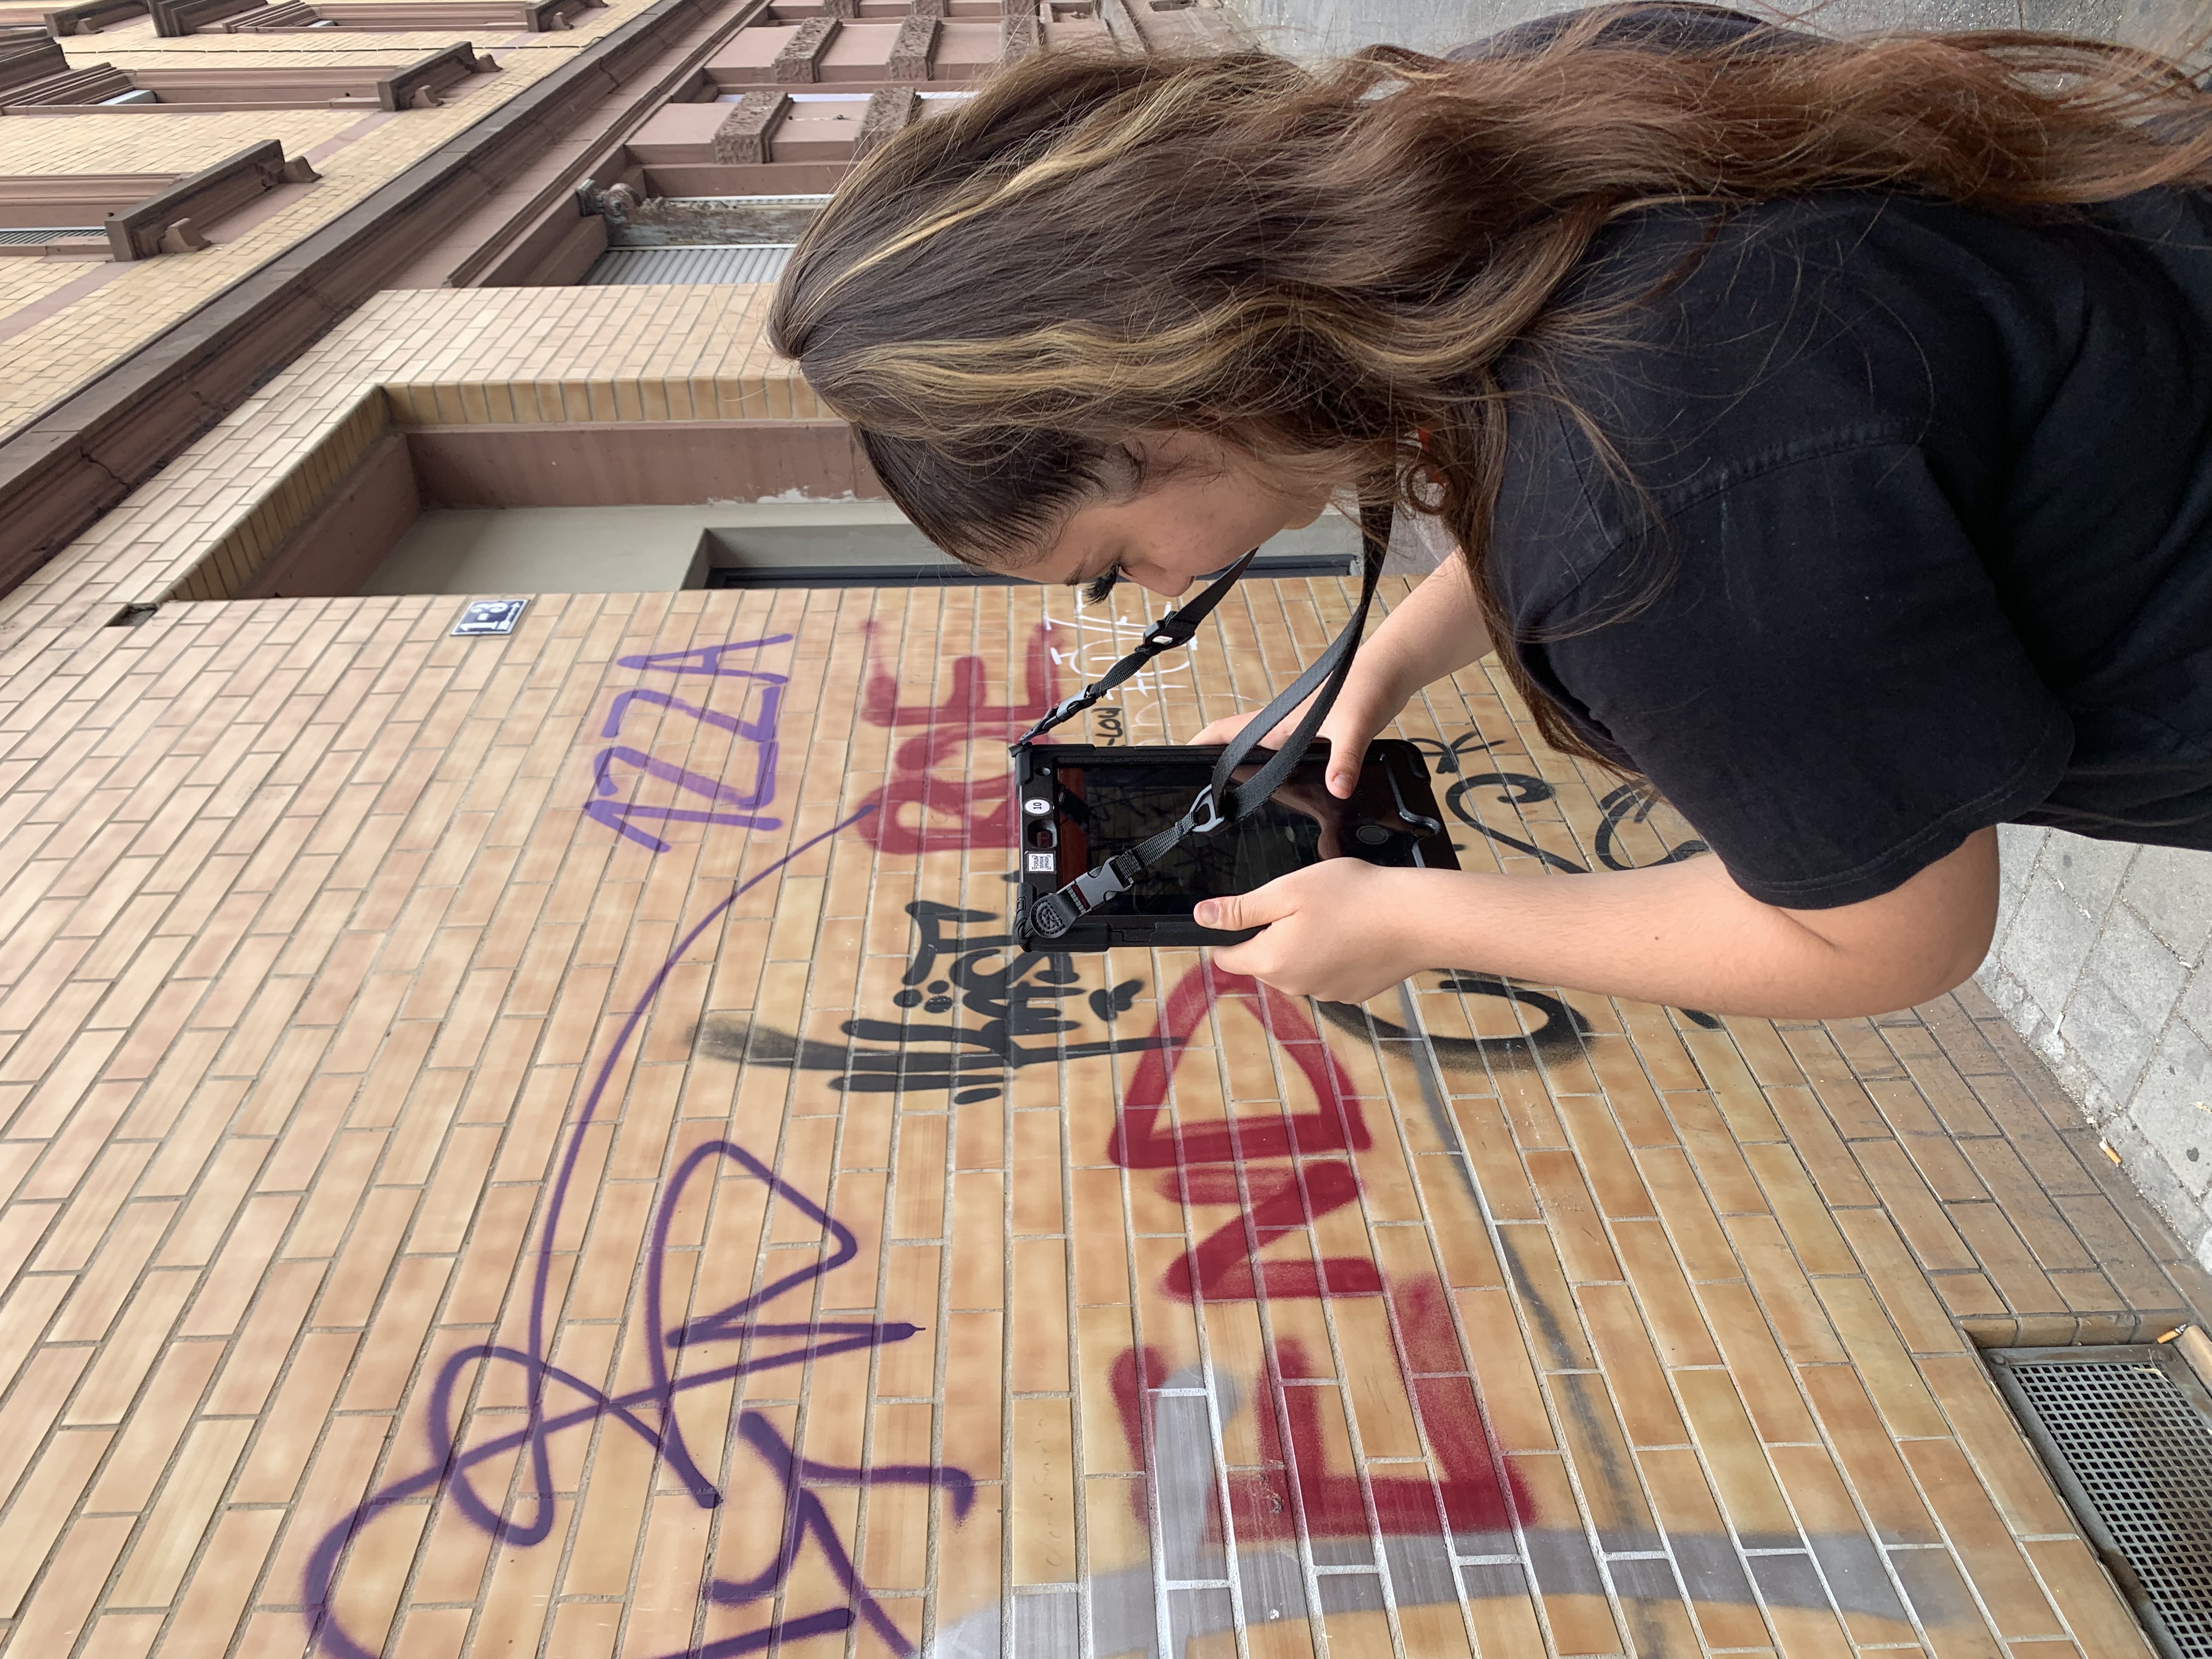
[490,617]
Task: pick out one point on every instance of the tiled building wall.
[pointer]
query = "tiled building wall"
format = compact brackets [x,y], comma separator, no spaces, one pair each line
[326,945]
[323,1005]
[2098,963]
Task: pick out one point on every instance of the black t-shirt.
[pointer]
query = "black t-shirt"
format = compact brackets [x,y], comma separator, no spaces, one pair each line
[1920,536]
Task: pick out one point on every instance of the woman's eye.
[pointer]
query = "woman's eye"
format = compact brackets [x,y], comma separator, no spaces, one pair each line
[1094,591]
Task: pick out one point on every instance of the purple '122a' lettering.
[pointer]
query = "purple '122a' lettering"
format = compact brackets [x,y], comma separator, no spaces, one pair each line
[731,804]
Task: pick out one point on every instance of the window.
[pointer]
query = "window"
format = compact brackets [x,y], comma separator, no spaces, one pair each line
[859,53]
[138,216]
[623,549]
[615,507]
[255,16]
[34,81]
[80,17]
[769,140]
[705,239]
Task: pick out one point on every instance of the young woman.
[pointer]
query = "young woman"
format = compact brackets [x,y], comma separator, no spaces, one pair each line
[1826,428]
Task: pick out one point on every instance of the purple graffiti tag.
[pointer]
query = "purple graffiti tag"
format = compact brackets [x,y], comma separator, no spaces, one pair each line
[761,729]
[616,815]
[708,659]
[649,1411]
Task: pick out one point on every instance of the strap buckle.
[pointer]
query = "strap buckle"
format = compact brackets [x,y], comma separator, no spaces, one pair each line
[1055,912]
[1067,708]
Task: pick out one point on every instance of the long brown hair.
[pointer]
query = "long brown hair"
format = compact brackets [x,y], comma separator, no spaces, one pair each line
[1317,265]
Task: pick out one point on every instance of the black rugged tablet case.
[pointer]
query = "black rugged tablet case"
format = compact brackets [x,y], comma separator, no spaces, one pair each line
[1392,819]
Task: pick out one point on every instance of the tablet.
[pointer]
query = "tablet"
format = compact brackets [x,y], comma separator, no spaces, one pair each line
[1081,805]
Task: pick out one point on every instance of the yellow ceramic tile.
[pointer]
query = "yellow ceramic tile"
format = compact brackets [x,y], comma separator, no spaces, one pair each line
[343,1178]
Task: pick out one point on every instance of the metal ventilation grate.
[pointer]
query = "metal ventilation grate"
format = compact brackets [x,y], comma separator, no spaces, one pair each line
[756,263]
[2125,1431]
[29,237]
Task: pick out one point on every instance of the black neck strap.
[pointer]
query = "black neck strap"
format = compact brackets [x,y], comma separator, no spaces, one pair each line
[1174,628]
[1224,801]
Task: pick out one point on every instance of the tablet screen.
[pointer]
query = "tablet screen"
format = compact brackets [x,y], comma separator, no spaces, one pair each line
[1110,809]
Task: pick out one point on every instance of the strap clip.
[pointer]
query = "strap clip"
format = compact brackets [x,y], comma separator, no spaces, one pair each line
[1066,709]
[1055,912]
[1204,816]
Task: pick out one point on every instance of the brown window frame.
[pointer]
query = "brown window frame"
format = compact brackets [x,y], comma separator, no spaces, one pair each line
[174,18]
[43,83]
[81,17]
[142,215]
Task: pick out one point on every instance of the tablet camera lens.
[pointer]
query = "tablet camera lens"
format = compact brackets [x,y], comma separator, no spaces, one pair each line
[1371,834]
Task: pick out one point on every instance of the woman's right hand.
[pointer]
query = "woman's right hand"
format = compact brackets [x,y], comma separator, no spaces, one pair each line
[1368,703]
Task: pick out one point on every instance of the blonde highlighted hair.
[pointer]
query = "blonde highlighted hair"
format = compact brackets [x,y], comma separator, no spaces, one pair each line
[1325,267]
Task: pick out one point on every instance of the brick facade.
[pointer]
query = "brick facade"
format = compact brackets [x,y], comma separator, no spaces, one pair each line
[540,1145]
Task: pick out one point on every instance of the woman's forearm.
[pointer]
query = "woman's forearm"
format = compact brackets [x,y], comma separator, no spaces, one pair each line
[1435,630]
[1685,934]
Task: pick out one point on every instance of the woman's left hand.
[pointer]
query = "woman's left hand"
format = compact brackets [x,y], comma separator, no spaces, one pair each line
[1330,931]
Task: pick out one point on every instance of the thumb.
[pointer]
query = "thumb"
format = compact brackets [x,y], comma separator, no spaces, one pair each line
[1233,910]
[1346,752]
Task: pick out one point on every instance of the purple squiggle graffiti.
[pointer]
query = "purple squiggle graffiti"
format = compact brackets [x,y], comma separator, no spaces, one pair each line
[649,1411]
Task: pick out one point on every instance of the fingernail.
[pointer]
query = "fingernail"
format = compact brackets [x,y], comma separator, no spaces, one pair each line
[1205,912]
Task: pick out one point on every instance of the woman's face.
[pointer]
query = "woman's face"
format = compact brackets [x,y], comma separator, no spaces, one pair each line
[1210,506]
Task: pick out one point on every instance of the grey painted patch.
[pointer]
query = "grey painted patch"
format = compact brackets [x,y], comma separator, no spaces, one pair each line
[1853,1566]
[1123,1623]
[1184,1485]
[1790,1581]
[1488,1578]
[1196,1614]
[1420,1567]
[1711,1571]
[1562,1562]
[1419,1570]
[1351,1592]
[1647,1577]
[1045,1626]
[1273,1586]
[1939,1594]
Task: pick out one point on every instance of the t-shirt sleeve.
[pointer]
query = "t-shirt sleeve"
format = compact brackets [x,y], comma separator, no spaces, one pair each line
[1823,681]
